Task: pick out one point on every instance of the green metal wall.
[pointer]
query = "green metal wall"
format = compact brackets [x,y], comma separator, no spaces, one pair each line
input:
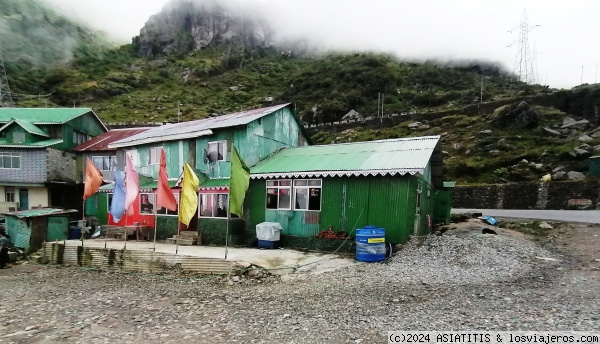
[347,204]
[443,206]
[15,128]
[97,206]
[254,207]
[86,124]
[58,227]
[19,231]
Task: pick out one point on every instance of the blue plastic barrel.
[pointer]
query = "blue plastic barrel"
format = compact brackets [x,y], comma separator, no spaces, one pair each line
[74,233]
[370,244]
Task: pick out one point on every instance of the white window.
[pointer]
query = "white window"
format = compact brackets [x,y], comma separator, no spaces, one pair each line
[307,194]
[79,138]
[18,137]
[217,151]
[213,205]
[279,194]
[165,211]
[154,155]
[9,194]
[10,160]
[135,159]
[105,163]
[146,203]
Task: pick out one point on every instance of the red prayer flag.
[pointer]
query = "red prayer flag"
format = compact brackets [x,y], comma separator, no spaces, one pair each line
[164,197]
[93,179]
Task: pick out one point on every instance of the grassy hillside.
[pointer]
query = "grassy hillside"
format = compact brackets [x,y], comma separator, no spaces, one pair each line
[35,39]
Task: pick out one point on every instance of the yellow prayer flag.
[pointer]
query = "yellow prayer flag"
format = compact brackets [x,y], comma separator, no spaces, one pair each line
[188,204]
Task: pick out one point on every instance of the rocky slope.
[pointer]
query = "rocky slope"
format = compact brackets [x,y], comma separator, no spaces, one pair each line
[185,26]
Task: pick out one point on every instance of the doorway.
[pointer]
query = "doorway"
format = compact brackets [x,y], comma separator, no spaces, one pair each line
[24,199]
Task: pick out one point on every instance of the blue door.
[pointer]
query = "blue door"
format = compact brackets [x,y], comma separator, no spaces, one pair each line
[24,199]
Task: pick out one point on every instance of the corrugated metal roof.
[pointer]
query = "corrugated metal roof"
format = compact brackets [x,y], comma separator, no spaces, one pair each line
[396,156]
[40,212]
[42,115]
[202,127]
[215,184]
[29,127]
[40,144]
[100,143]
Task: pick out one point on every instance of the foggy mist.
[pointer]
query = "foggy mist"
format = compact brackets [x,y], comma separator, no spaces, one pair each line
[425,29]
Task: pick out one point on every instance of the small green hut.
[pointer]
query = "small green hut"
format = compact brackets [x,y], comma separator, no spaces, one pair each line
[391,184]
[29,229]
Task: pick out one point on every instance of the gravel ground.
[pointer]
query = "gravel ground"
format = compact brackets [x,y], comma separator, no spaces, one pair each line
[452,282]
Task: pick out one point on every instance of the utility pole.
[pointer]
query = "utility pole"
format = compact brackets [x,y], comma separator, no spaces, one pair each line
[378,102]
[481,91]
[382,96]
[524,61]
[5,94]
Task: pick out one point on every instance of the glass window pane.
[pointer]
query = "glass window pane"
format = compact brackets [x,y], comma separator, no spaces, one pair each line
[285,182]
[16,162]
[301,199]
[284,198]
[7,162]
[271,183]
[272,199]
[206,205]
[314,182]
[147,203]
[300,183]
[221,205]
[176,211]
[314,199]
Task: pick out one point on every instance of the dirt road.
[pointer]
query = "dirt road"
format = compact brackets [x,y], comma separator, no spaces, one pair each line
[459,281]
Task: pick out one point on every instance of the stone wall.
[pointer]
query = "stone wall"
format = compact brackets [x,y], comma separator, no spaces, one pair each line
[527,195]
[61,166]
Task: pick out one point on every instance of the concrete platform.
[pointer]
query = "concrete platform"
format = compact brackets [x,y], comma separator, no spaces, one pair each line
[278,261]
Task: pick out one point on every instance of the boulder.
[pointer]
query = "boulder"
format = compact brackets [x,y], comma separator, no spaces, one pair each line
[558,169]
[539,166]
[486,132]
[574,175]
[414,125]
[580,125]
[518,117]
[547,130]
[424,127]
[545,225]
[585,138]
[352,115]
[568,120]
[559,175]
[595,135]
[580,153]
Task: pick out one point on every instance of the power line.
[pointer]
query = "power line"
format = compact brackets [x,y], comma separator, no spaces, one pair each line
[524,60]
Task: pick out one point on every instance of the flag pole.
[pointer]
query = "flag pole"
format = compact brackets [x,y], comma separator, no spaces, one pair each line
[125,231]
[83,218]
[227,230]
[155,220]
[177,239]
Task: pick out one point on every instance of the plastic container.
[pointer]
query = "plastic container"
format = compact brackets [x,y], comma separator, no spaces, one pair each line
[268,244]
[74,233]
[370,244]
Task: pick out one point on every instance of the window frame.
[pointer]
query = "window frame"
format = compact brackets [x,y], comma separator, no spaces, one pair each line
[10,191]
[290,188]
[307,188]
[157,150]
[11,156]
[212,198]
[79,137]
[153,202]
[224,153]
[109,197]
[166,211]
[112,161]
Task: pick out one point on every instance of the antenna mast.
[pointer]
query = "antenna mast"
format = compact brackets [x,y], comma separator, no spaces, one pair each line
[524,61]
[5,94]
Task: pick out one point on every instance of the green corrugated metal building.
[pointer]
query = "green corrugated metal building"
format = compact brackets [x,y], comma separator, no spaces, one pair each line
[392,184]
[29,229]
